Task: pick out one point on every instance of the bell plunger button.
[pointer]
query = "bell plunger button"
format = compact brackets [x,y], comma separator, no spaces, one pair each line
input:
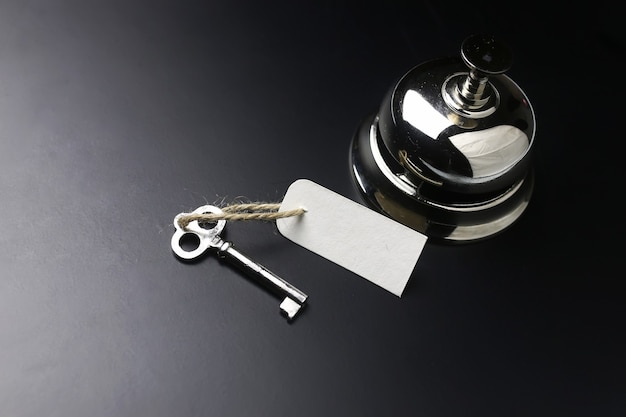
[472,95]
[486,54]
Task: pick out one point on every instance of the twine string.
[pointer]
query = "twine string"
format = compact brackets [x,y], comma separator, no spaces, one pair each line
[243,211]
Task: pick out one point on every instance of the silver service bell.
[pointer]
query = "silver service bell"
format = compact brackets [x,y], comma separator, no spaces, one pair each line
[449,151]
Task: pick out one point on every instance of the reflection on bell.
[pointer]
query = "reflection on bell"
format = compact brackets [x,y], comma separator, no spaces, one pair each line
[449,151]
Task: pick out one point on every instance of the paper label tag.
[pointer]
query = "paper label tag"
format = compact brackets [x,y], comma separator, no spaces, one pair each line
[351,235]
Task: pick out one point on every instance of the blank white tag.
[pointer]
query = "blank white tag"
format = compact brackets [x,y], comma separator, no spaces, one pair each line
[351,235]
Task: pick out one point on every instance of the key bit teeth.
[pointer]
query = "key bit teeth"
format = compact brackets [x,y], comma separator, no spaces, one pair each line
[290,308]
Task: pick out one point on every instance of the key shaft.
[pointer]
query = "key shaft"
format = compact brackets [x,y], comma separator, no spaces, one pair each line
[226,250]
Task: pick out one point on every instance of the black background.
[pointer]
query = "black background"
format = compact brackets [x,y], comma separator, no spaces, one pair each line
[117,115]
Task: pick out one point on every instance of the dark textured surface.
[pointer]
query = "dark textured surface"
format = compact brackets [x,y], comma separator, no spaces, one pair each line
[117,115]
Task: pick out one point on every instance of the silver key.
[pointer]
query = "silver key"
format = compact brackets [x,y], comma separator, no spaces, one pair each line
[209,238]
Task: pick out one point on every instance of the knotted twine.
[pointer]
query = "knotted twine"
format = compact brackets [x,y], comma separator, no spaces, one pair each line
[242,211]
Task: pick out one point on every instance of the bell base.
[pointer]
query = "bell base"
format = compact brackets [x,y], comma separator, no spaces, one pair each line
[389,191]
